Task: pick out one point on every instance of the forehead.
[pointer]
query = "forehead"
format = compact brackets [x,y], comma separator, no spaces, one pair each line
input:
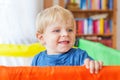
[61,23]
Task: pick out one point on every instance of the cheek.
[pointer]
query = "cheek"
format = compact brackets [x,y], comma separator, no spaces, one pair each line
[73,37]
[52,39]
[74,40]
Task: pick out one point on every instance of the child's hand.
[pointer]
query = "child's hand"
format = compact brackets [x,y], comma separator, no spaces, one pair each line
[93,66]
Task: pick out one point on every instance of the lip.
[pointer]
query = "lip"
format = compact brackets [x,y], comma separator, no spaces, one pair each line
[64,42]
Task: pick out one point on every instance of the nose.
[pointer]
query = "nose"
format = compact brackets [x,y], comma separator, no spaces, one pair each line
[64,33]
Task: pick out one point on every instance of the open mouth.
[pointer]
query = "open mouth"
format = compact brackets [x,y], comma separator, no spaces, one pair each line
[64,42]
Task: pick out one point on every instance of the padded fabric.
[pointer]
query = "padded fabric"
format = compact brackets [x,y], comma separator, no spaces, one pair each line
[18,55]
[58,73]
[20,50]
[98,51]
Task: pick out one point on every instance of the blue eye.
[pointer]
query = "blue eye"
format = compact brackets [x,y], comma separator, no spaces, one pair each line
[70,30]
[56,31]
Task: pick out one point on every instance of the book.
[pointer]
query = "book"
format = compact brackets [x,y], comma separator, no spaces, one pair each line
[90,26]
[110,4]
[101,27]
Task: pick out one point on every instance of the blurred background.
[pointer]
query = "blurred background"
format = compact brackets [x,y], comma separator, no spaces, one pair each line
[17,20]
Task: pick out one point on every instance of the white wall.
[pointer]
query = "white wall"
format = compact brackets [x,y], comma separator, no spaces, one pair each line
[17,21]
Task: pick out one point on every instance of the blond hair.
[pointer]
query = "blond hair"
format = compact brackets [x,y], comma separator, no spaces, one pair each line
[50,15]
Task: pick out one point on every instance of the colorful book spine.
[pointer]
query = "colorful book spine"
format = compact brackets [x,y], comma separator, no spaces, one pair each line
[104,4]
[106,27]
[95,26]
[93,4]
[83,5]
[89,4]
[80,27]
[111,23]
[85,26]
[90,26]
[110,4]
[101,26]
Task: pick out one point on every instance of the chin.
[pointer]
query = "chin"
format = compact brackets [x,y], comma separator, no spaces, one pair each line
[64,50]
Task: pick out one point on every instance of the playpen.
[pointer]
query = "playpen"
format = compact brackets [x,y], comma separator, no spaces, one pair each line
[15,63]
[58,73]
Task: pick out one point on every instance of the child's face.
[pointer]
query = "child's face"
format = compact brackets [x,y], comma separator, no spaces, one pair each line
[59,37]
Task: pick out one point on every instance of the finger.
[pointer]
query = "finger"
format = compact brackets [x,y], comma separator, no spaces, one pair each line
[92,66]
[86,63]
[97,67]
[101,64]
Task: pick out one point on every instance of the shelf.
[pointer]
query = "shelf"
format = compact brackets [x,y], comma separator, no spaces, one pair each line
[109,36]
[91,11]
[95,35]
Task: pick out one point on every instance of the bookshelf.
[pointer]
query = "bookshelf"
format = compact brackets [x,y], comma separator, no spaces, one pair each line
[82,13]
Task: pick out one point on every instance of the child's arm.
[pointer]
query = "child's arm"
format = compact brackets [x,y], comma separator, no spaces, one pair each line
[93,66]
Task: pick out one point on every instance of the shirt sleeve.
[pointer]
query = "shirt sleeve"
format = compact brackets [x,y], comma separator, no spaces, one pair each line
[85,56]
[34,61]
[82,55]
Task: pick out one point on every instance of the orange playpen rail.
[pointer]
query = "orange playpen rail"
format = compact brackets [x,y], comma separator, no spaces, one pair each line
[58,73]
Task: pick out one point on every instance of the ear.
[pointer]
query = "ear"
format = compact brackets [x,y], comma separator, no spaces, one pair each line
[40,37]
